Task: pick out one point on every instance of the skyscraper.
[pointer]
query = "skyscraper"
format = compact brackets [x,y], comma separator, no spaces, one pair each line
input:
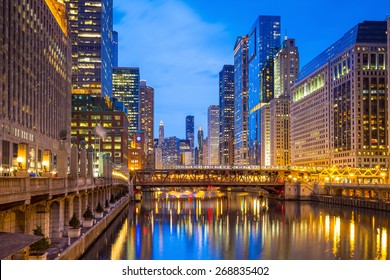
[158,148]
[91,23]
[241,101]
[190,132]
[200,145]
[35,69]
[286,63]
[126,87]
[114,49]
[213,135]
[147,120]
[338,104]
[264,42]
[226,115]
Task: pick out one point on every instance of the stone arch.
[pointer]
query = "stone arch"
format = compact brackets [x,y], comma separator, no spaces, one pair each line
[14,222]
[55,224]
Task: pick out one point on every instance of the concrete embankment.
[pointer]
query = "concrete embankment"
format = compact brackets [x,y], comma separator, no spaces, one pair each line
[353,202]
[81,245]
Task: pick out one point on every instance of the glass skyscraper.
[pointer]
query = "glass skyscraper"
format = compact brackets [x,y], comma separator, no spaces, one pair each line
[190,132]
[91,24]
[263,44]
[241,101]
[126,87]
[226,115]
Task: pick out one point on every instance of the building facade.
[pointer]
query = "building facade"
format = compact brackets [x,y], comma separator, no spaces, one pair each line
[91,23]
[339,110]
[226,115]
[35,83]
[265,129]
[213,135]
[263,43]
[147,121]
[126,88]
[171,152]
[286,67]
[103,127]
[241,156]
[115,49]
[201,142]
[190,134]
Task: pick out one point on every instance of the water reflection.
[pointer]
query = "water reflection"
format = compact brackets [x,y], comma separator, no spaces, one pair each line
[243,226]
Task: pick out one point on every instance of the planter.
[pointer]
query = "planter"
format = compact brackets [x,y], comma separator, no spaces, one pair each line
[37,256]
[99,215]
[88,223]
[74,232]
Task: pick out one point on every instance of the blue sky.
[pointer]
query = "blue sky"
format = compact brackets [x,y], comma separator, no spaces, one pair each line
[181,45]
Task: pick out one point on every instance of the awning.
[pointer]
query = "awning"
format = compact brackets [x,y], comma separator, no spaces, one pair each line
[11,243]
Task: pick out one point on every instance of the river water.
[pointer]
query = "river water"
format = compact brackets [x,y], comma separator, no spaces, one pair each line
[242,226]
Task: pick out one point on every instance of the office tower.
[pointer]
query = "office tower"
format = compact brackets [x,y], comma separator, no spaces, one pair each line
[241,101]
[90,23]
[286,63]
[126,87]
[35,83]
[388,77]
[190,133]
[114,49]
[338,109]
[263,43]
[108,116]
[147,120]
[265,133]
[185,152]
[200,146]
[205,152]
[158,147]
[226,115]
[213,135]
[170,152]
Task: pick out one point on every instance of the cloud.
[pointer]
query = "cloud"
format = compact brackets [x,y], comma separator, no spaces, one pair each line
[179,54]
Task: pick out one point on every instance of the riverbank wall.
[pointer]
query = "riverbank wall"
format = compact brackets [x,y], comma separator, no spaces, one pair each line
[81,245]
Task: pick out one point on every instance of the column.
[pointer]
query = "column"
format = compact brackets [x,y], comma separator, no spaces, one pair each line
[74,159]
[90,162]
[62,160]
[83,159]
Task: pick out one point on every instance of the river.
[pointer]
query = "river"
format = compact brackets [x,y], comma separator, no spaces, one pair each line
[242,226]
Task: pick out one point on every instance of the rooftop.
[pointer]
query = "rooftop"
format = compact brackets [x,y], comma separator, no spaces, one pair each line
[365,32]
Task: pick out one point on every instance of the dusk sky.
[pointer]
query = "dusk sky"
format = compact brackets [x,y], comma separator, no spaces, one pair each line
[181,45]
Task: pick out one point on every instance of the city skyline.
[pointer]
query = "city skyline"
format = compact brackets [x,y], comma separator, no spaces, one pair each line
[186,53]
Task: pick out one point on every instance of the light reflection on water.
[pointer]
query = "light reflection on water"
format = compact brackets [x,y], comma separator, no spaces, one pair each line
[243,226]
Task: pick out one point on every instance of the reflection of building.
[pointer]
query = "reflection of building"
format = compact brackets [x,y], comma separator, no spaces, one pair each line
[110,116]
[241,101]
[91,33]
[35,89]
[226,115]
[338,109]
[213,135]
[126,87]
[263,43]
[147,121]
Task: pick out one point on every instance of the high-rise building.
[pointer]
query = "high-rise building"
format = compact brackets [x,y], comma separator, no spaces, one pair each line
[200,146]
[213,135]
[158,147]
[185,152]
[114,49]
[35,89]
[241,101]
[388,77]
[126,87]
[101,116]
[265,145]
[263,43]
[190,133]
[147,121]
[226,115]
[286,67]
[286,63]
[338,109]
[91,23]
[170,152]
